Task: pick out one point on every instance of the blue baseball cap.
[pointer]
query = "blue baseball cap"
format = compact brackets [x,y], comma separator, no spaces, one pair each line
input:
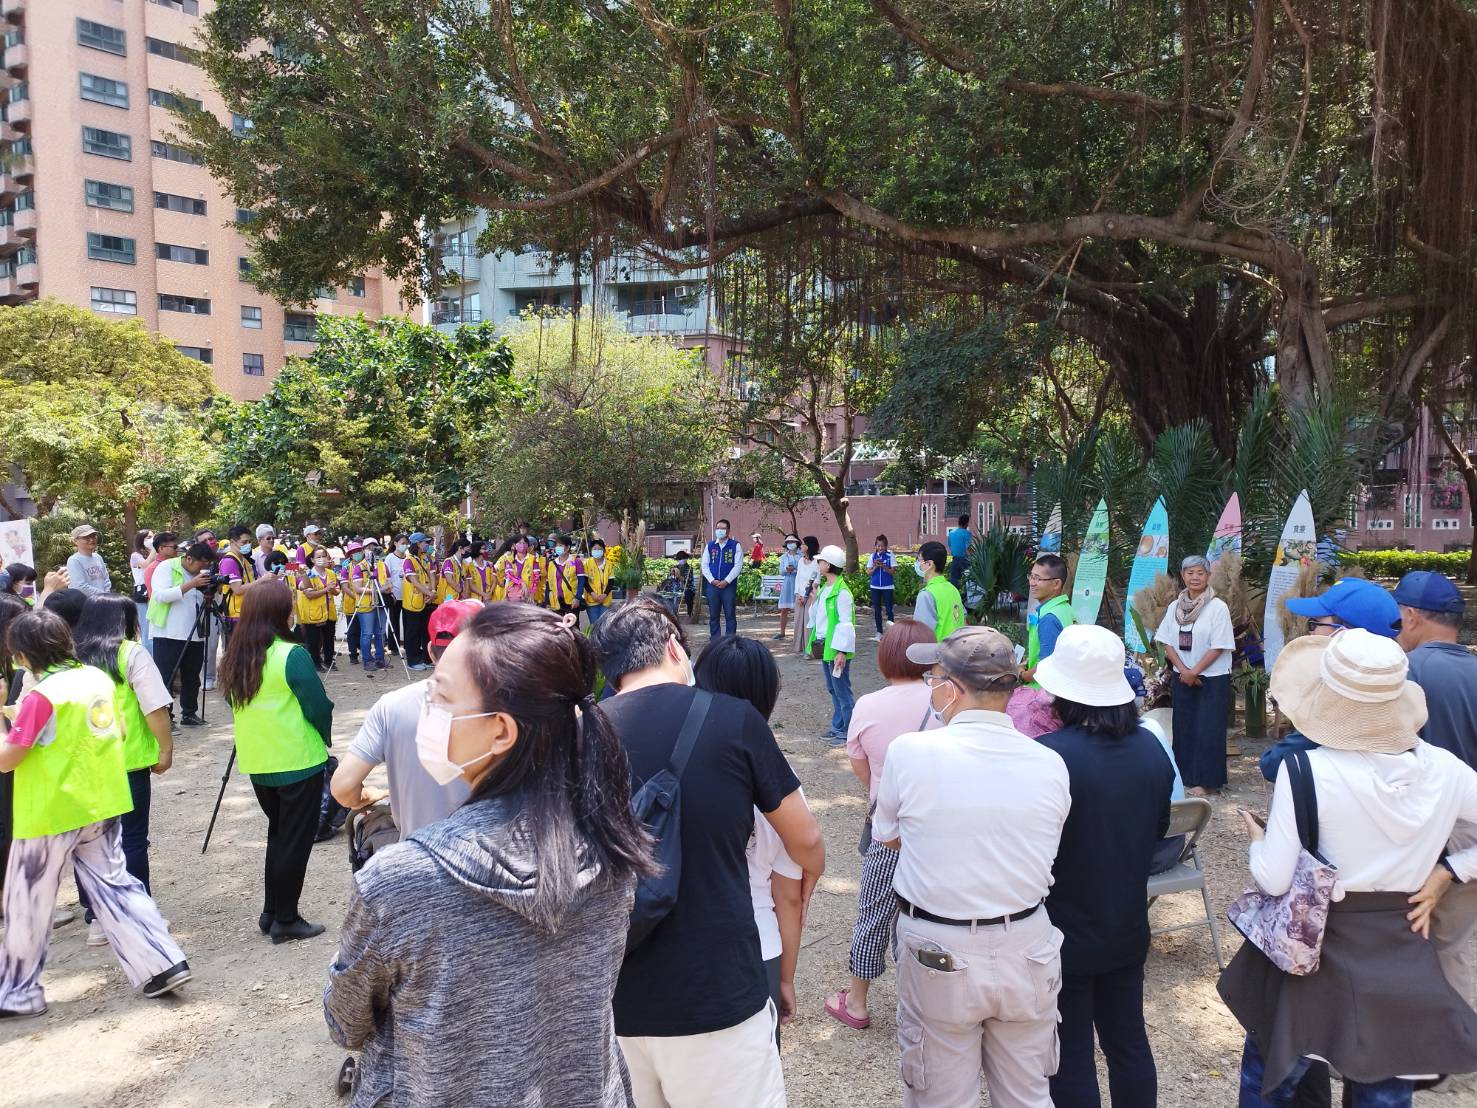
[417,536]
[1429,591]
[1355,602]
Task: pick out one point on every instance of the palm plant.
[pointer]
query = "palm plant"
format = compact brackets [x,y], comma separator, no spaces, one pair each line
[998,572]
[1121,479]
[1188,472]
[1069,482]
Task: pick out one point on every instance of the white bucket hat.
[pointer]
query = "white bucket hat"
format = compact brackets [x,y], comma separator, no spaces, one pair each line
[1349,692]
[833,556]
[1086,667]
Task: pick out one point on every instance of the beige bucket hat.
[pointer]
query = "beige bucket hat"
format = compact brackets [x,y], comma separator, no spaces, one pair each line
[1349,692]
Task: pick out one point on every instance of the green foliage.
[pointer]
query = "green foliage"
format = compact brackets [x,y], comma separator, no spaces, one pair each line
[1397,563]
[1188,472]
[371,432]
[611,420]
[51,544]
[101,415]
[997,565]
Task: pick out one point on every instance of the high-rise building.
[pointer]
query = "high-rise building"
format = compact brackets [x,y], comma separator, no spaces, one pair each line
[100,207]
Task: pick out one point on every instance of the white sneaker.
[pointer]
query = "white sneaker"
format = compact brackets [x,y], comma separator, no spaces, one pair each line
[210,684]
[95,936]
[62,915]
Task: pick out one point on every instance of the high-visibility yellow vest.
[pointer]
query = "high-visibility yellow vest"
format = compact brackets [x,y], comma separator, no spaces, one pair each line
[248,575]
[449,585]
[481,581]
[563,583]
[272,734]
[361,579]
[314,609]
[597,578]
[415,570]
[140,747]
[78,778]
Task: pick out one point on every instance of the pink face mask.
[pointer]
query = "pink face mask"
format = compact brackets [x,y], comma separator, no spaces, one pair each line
[521,548]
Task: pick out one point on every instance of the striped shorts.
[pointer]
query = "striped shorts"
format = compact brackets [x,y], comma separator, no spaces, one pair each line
[876,913]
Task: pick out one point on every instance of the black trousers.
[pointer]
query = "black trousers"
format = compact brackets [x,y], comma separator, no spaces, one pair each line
[1113,1003]
[394,632]
[292,821]
[318,638]
[181,663]
[417,635]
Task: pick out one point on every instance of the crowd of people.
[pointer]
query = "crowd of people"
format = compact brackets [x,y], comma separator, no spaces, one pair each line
[607,830]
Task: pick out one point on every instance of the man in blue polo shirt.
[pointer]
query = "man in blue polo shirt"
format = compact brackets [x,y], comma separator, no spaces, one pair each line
[958,540]
[721,567]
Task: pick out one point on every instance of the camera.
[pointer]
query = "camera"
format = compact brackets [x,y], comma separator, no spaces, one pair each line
[216,580]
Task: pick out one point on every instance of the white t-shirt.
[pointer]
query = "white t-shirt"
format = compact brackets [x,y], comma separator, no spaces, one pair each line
[396,565]
[1212,630]
[979,809]
[146,681]
[766,855]
[136,562]
[806,576]
[387,737]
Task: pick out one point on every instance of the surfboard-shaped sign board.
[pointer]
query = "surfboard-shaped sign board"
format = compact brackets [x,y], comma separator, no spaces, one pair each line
[1297,547]
[1227,536]
[1150,559]
[1092,567]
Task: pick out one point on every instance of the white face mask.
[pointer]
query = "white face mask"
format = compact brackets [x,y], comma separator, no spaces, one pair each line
[720,533]
[918,567]
[433,740]
[598,554]
[691,673]
[938,713]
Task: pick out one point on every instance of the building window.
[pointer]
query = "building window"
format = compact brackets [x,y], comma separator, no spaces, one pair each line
[199,353]
[99,36]
[190,305]
[245,216]
[299,327]
[192,255]
[356,286]
[26,256]
[172,153]
[101,194]
[21,148]
[928,520]
[21,92]
[253,365]
[25,202]
[188,7]
[169,202]
[115,301]
[173,50]
[111,248]
[251,317]
[243,268]
[161,99]
[104,90]
[107,144]
[240,125]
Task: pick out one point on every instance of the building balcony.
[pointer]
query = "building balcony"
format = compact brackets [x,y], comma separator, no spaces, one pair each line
[28,276]
[22,168]
[24,221]
[454,317]
[11,239]
[9,186]
[464,267]
[17,58]
[18,112]
[10,9]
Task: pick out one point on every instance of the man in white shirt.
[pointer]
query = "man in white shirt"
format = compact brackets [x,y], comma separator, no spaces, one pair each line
[86,568]
[976,810]
[174,614]
[266,542]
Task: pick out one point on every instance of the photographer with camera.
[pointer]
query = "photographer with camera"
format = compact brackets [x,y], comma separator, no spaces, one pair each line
[181,588]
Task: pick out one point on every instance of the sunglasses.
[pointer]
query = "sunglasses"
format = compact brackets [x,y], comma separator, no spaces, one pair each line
[1314,624]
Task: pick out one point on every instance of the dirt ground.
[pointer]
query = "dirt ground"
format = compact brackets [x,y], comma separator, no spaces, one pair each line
[249,1030]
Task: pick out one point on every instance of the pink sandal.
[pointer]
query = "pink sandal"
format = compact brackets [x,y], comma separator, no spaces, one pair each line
[840,1013]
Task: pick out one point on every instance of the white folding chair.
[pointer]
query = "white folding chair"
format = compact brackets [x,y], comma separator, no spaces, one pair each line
[1188,818]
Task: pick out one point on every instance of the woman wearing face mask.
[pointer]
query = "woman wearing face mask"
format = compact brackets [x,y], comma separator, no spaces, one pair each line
[597,582]
[789,571]
[22,581]
[452,584]
[566,580]
[520,573]
[531,882]
[807,574]
[283,726]
[415,601]
[314,589]
[835,631]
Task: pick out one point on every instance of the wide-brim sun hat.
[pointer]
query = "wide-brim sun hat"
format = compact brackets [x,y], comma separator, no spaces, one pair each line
[1349,692]
[353,548]
[833,556]
[1086,667]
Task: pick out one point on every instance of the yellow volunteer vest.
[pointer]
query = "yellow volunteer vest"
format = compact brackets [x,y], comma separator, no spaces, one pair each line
[315,609]
[360,576]
[449,584]
[415,570]
[481,581]
[563,583]
[248,575]
[597,578]
[78,778]
[272,734]
[140,748]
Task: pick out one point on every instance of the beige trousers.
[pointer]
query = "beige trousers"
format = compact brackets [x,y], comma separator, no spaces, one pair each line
[1452,925]
[738,1067]
[996,1013]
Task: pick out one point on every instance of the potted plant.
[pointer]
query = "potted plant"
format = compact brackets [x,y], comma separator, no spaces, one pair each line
[1252,682]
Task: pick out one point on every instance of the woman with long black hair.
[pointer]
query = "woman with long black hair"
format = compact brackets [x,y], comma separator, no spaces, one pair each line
[283,723]
[106,638]
[479,956]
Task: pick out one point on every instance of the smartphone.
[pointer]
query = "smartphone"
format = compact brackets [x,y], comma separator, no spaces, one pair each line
[936,959]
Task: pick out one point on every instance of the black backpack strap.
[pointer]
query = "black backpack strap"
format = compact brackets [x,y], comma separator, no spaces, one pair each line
[1304,800]
[697,714]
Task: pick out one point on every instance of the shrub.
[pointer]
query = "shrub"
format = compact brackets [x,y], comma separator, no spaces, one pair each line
[1397,563]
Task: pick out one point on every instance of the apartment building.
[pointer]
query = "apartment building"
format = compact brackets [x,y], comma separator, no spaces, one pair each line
[101,208]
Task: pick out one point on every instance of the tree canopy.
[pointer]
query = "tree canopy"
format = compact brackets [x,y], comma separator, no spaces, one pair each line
[1200,191]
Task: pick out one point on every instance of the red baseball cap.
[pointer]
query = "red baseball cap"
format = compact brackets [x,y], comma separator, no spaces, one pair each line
[448,619]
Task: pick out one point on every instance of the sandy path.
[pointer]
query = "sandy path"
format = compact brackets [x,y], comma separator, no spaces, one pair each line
[248,1030]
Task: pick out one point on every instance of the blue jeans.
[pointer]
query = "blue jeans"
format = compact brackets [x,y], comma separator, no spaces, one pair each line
[595,611]
[724,600]
[372,634]
[1393,1092]
[842,700]
[958,567]
[881,598]
[135,834]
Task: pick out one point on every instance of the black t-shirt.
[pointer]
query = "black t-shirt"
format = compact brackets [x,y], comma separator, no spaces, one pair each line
[701,970]
[1120,809]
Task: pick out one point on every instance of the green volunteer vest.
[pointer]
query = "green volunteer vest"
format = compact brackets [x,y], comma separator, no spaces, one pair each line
[949,605]
[158,610]
[831,599]
[140,748]
[1059,606]
[272,734]
[77,778]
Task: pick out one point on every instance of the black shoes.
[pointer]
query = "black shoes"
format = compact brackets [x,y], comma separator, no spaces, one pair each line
[297,929]
[193,721]
[9,1014]
[166,982]
[264,922]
